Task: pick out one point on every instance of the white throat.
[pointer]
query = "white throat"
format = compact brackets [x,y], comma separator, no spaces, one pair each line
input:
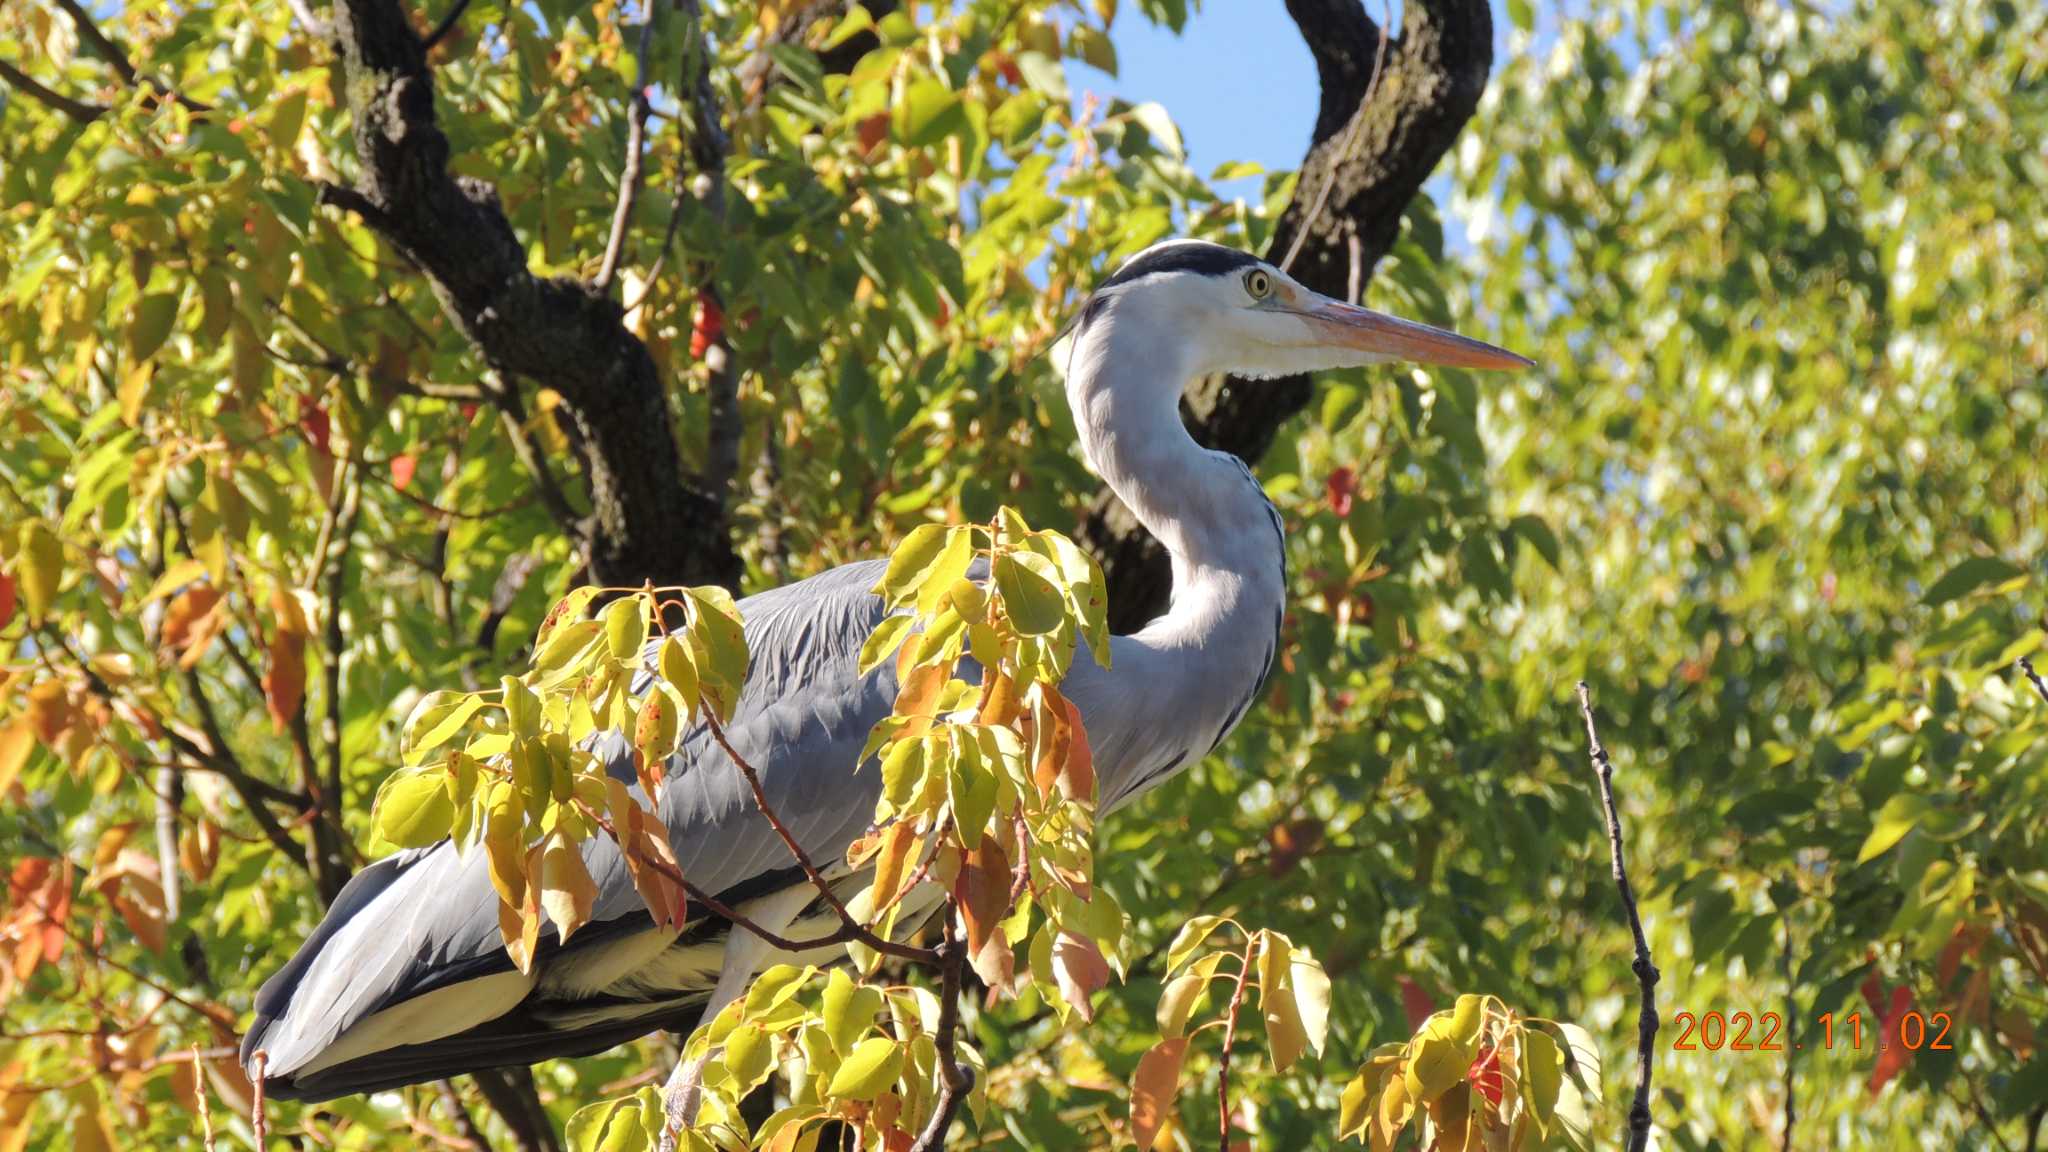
[1125,376]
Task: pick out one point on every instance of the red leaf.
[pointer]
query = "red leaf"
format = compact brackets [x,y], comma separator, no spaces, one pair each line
[1341,487]
[1415,1003]
[1892,1056]
[313,422]
[7,599]
[1873,992]
[1485,1075]
[402,468]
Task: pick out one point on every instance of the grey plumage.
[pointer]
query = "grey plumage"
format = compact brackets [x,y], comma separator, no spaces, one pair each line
[407,979]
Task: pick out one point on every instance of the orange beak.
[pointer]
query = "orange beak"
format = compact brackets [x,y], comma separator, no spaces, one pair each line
[1347,326]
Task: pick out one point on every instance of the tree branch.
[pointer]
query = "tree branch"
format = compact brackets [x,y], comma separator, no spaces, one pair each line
[629,174]
[78,110]
[709,147]
[1645,970]
[647,521]
[107,50]
[1372,158]
[2033,677]
[955,1079]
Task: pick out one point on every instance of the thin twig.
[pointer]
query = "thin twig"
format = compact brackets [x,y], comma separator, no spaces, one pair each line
[857,930]
[446,26]
[79,110]
[257,1121]
[465,1126]
[105,48]
[955,1080]
[512,416]
[2027,666]
[629,175]
[1345,151]
[1645,970]
[1244,969]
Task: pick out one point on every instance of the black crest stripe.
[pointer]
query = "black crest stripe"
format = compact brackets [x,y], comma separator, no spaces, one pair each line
[1192,256]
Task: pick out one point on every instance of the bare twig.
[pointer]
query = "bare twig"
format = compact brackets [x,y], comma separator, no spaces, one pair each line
[512,415]
[257,1121]
[855,929]
[105,48]
[1353,133]
[464,1125]
[2027,667]
[629,175]
[446,26]
[1791,1013]
[1645,970]
[199,1093]
[1244,969]
[78,110]
[955,1080]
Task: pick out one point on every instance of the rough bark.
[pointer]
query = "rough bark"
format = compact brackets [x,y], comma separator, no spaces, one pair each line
[1433,76]
[647,520]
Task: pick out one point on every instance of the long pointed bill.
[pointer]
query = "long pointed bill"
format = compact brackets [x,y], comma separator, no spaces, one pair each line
[1368,331]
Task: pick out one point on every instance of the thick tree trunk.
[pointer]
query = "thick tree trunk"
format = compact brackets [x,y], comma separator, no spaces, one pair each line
[647,519]
[1433,76]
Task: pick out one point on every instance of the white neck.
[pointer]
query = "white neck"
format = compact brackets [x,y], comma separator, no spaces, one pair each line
[1124,382]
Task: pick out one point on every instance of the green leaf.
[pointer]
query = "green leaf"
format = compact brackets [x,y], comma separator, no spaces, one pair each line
[1033,602]
[884,640]
[927,113]
[1893,821]
[1189,938]
[1969,576]
[848,1010]
[151,323]
[2027,1089]
[1177,1000]
[625,627]
[1542,1076]
[912,563]
[413,808]
[437,719]
[868,1070]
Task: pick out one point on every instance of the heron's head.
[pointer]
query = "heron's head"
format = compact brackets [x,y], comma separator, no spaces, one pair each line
[1219,310]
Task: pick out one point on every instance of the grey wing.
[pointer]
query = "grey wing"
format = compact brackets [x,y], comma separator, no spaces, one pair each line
[407,978]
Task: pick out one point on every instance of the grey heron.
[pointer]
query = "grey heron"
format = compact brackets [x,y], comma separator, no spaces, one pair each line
[407,978]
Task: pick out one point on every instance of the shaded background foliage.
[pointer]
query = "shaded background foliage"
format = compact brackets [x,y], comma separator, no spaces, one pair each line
[1777,495]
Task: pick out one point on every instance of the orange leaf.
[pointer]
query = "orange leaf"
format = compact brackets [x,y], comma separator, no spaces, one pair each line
[919,695]
[899,844]
[1077,774]
[402,469]
[49,710]
[1153,1089]
[187,609]
[284,682]
[17,740]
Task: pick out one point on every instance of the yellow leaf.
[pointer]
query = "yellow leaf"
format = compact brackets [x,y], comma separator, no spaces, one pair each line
[413,808]
[567,892]
[39,564]
[899,844]
[17,740]
[1178,1000]
[1153,1088]
[625,626]
[868,1070]
[1276,999]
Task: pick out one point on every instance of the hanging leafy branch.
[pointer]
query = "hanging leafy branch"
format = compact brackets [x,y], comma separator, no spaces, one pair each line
[1477,1075]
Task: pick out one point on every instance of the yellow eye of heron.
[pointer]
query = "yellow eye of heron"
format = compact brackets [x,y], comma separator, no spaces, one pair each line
[1258,284]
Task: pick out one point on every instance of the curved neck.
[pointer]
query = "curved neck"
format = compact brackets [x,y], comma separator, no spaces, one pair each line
[1124,383]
